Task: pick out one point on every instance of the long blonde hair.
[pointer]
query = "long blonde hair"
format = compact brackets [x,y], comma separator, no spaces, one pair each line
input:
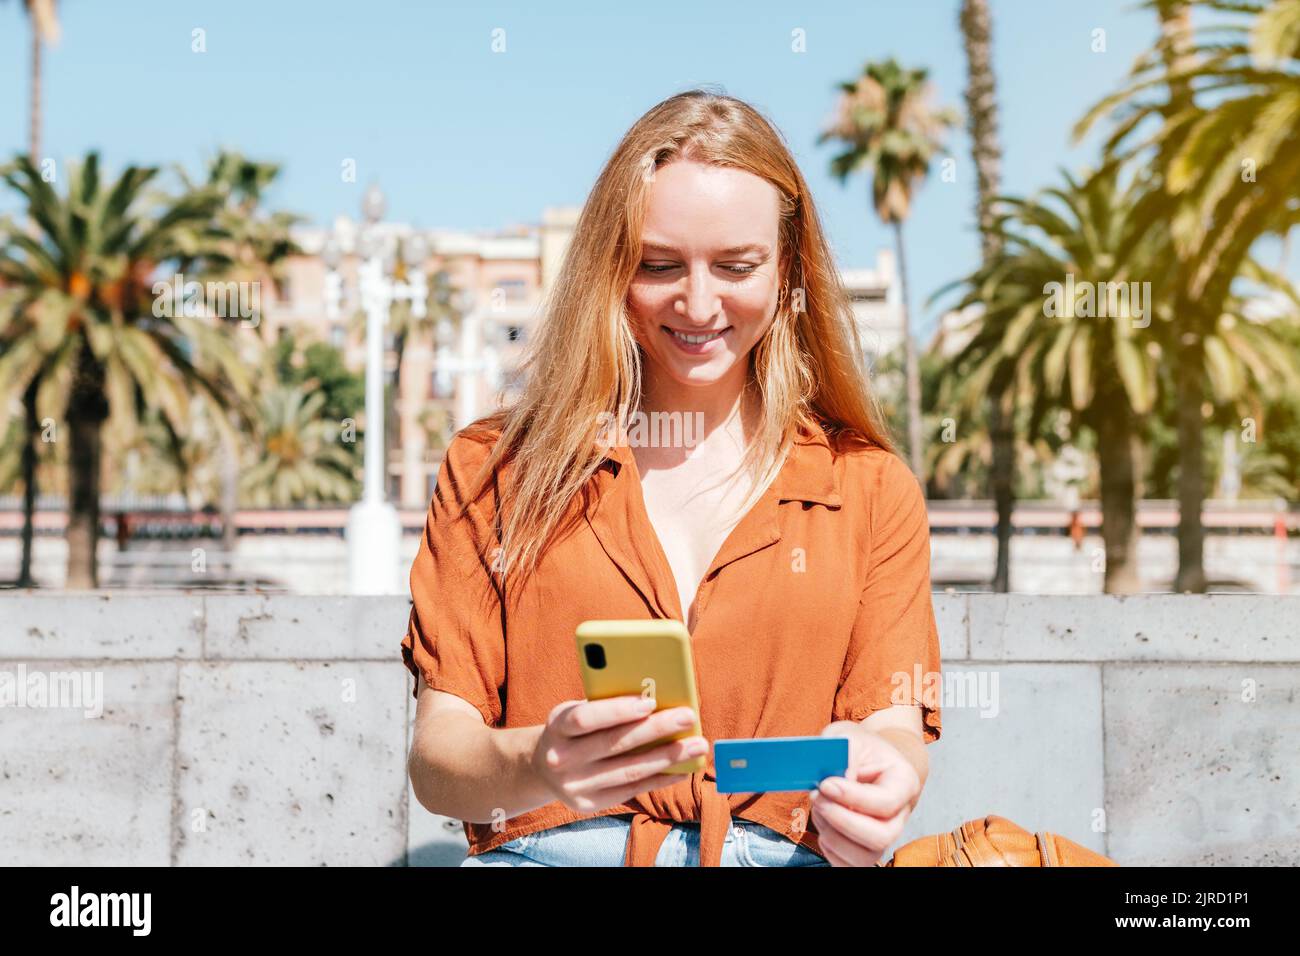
[584,364]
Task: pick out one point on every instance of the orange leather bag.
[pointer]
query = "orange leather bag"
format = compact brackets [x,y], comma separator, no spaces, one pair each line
[995,841]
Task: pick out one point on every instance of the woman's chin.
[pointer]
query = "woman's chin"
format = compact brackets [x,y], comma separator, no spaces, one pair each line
[699,375]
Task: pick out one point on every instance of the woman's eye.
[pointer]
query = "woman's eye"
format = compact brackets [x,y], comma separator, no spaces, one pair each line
[655,268]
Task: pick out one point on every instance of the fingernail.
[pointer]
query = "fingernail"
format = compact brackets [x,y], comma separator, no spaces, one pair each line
[832,789]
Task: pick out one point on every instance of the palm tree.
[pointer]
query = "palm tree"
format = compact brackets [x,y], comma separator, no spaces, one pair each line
[888,128]
[1076,360]
[300,459]
[982,124]
[1230,175]
[160,461]
[253,246]
[959,437]
[254,249]
[45,30]
[88,325]
[1098,367]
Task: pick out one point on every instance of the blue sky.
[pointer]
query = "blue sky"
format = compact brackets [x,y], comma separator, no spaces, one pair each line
[459,136]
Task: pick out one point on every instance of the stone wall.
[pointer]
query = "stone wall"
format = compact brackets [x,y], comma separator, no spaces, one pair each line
[259,729]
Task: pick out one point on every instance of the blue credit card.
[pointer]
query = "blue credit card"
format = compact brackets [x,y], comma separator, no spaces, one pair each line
[764,764]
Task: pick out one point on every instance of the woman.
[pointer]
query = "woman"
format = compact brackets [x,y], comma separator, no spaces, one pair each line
[698,289]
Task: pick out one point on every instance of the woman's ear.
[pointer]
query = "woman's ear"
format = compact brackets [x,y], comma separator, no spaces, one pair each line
[778,285]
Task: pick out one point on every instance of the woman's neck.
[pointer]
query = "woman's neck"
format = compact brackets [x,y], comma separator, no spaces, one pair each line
[729,415]
[723,404]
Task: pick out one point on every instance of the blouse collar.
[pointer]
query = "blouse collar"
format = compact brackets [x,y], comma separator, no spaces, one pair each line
[808,474]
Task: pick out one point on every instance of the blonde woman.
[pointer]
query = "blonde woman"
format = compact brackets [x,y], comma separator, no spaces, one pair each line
[698,290]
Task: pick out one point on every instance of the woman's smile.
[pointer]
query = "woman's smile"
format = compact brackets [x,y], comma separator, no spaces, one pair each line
[696,343]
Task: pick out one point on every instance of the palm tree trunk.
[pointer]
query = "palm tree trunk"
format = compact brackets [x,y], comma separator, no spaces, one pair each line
[914,451]
[31,428]
[34,117]
[1191,466]
[87,409]
[1117,452]
[982,118]
[230,498]
[1175,29]
[982,124]
[31,423]
[1003,436]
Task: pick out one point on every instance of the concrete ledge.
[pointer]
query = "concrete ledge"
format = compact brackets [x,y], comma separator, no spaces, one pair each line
[273,729]
[36,625]
[298,627]
[1170,627]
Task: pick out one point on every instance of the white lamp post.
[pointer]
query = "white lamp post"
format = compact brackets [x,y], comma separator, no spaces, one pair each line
[374,530]
[474,362]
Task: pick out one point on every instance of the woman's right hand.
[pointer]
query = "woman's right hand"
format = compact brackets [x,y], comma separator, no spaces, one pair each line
[582,754]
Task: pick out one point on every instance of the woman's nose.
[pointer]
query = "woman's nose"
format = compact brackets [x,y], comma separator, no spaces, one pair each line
[699,301]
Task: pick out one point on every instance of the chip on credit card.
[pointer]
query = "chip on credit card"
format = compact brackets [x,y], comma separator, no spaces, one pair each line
[766,764]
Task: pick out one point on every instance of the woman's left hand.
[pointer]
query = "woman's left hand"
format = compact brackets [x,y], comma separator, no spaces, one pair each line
[858,816]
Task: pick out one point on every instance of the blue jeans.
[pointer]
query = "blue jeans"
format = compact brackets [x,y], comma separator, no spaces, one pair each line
[602,841]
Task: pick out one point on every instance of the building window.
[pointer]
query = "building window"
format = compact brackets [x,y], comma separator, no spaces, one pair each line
[338,337]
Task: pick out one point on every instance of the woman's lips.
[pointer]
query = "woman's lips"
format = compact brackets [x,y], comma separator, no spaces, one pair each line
[696,348]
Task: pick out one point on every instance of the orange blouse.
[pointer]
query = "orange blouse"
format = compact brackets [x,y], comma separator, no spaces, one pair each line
[817,608]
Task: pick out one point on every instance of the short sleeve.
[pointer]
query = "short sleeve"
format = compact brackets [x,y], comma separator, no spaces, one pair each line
[893,654]
[455,638]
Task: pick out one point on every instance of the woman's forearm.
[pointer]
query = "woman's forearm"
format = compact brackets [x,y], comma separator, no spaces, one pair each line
[912,747]
[463,769]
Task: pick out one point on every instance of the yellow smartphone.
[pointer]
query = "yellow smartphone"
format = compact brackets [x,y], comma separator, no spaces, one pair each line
[646,658]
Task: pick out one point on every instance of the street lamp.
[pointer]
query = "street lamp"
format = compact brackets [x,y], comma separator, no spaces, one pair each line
[374,530]
[472,363]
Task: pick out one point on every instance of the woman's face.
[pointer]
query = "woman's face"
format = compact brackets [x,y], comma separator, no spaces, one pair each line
[709,268]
